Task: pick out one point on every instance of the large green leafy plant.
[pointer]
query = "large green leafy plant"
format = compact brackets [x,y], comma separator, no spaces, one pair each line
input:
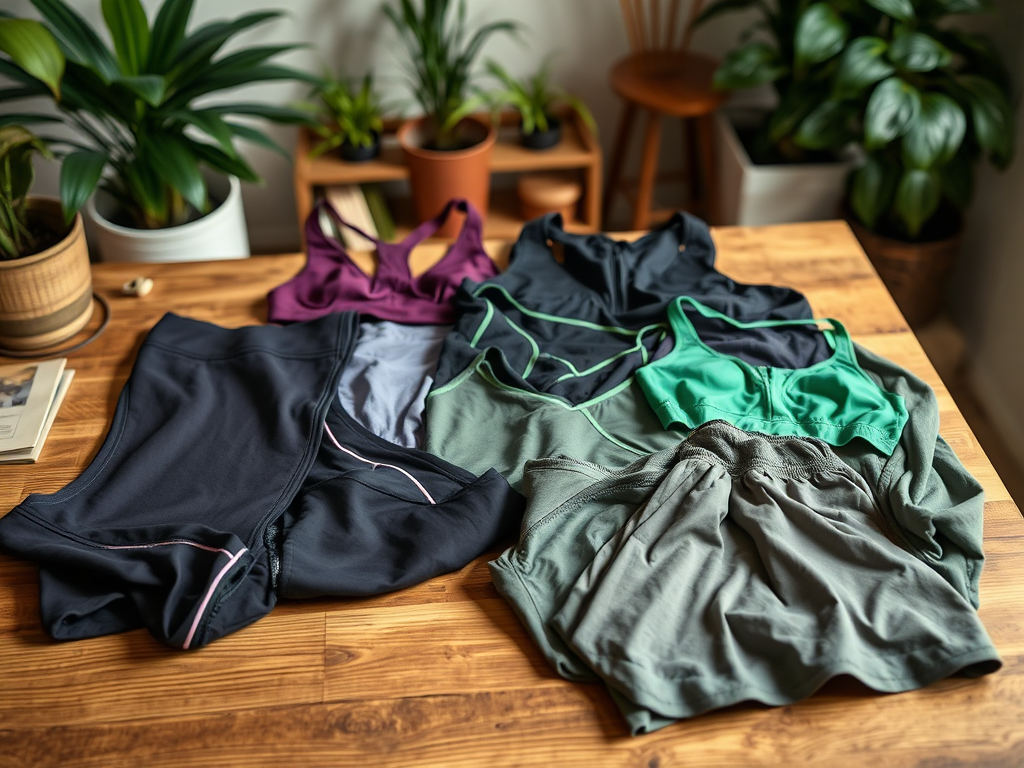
[796,55]
[17,146]
[347,115]
[133,106]
[928,101]
[441,54]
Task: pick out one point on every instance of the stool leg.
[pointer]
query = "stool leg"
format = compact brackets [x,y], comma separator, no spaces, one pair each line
[706,132]
[648,169]
[622,135]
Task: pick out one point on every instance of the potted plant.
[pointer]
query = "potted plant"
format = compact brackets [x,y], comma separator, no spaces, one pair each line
[350,119]
[538,103]
[44,262]
[790,163]
[929,100]
[142,139]
[447,149]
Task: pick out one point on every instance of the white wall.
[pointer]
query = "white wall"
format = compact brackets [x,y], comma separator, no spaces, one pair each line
[987,297]
[353,36]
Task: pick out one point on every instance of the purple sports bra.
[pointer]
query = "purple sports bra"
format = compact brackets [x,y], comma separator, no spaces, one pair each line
[332,282]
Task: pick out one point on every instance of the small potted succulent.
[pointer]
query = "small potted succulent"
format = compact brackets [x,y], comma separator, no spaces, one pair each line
[144,139]
[538,103]
[350,119]
[789,163]
[447,149]
[44,262]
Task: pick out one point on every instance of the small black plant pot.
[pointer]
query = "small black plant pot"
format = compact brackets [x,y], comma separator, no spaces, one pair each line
[543,139]
[359,154]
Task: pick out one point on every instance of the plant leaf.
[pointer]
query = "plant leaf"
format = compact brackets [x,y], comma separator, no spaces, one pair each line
[150,88]
[129,30]
[79,174]
[210,123]
[80,42]
[917,198]
[248,133]
[820,35]
[862,63]
[214,157]
[917,52]
[892,109]
[168,33]
[957,177]
[937,134]
[749,66]
[992,117]
[872,189]
[797,103]
[827,127]
[723,6]
[10,118]
[898,9]
[172,158]
[269,112]
[32,47]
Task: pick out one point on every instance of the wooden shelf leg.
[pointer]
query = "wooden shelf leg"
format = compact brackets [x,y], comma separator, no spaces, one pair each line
[626,119]
[648,169]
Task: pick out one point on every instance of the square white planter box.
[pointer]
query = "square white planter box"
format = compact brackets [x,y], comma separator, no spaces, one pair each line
[755,195]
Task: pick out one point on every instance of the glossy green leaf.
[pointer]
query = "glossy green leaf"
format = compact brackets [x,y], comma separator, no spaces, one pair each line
[32,47]
[171,157]
[898,9]
[26,118]
[210,123]
[872,189]
[937,134]
[917,198]
[828,127]
[917,52]
[892,109]
[820,35]
[199,47]
[129,29]
[863,63]
[269,112]
[25,92]
[79,174]
[797,103]
[217,159]
[957,178]
[992,117]
[168,33]
[749,66]
[146,195]
[149,88]
[80,42]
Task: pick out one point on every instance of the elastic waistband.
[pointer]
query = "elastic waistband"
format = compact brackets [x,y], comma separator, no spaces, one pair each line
[739,452]
[330,335]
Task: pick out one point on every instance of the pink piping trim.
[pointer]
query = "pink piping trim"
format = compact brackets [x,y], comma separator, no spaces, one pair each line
[209,594]
[163,544]
[376,464]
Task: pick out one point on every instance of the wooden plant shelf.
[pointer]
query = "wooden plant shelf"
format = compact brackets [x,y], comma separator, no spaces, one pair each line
[578,151]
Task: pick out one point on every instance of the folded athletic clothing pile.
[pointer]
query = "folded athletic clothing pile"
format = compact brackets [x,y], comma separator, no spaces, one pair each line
[723,498]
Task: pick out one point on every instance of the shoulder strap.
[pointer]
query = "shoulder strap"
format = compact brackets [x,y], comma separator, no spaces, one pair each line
[472,227]
[313,222]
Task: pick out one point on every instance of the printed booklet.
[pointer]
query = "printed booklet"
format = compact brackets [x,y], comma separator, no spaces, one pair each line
[30,395]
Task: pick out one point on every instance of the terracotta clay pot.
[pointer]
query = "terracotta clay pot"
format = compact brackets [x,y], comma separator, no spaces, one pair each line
[916,274]
[47,297]
[548,193]
[436,177]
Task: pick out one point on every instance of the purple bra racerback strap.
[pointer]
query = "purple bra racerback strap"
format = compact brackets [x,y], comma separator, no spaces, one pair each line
[313,223]
[472,228]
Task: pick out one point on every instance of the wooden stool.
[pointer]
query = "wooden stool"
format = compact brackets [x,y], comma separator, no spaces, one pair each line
[663,80]
[548,193]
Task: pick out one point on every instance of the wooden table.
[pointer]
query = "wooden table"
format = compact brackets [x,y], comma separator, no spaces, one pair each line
[443,674]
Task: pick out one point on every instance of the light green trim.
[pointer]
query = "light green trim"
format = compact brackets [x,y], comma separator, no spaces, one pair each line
[533,344]
[454,383]
[487,374]
[554,318]
[601,430]
[483,326]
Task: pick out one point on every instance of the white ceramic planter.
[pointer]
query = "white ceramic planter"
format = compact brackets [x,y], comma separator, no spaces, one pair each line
[755,195]
[220,234]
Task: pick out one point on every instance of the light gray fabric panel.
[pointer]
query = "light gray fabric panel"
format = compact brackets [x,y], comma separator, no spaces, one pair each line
[385,384]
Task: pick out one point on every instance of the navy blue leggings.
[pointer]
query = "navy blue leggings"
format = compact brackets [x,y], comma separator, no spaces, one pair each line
[230,477]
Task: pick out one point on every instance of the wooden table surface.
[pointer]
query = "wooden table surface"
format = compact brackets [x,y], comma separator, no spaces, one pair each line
[442,673]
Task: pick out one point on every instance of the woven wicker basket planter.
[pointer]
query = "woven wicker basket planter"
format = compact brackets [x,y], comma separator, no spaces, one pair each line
[47,297]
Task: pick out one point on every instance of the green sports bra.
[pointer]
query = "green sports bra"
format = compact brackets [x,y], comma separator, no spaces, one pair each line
[833,400]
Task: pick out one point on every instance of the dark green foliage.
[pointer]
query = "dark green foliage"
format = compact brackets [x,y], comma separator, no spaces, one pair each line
[143,140]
